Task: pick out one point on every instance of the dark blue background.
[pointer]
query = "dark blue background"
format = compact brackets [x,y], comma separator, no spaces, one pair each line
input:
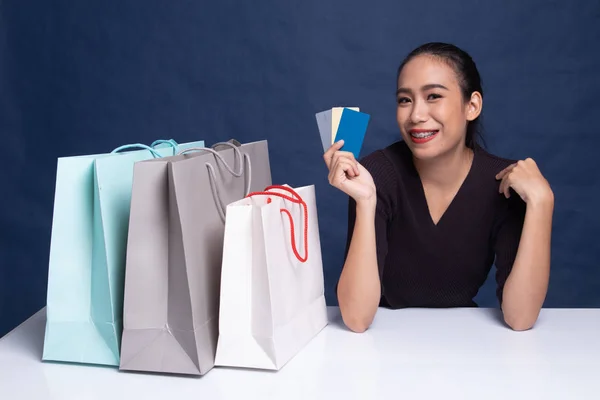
[81,77]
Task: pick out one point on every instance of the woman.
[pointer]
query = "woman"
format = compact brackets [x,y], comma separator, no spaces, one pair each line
[430,214]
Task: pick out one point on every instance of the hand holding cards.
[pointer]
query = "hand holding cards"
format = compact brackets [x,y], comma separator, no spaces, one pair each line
[342,147]
[343,123]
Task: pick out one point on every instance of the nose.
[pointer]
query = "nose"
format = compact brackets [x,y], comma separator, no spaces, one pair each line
[419,112]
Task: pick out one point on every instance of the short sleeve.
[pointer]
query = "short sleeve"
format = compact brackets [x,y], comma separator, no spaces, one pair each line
[386,184]
[508,235]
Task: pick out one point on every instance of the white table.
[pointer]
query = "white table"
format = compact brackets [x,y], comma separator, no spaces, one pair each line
[406,354]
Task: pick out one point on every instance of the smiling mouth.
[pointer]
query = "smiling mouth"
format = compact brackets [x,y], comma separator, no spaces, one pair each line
[423,135]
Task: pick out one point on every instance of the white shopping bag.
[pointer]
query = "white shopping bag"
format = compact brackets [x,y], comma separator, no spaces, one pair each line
[272,291]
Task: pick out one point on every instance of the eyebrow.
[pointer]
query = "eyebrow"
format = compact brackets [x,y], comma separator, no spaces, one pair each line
[424,88]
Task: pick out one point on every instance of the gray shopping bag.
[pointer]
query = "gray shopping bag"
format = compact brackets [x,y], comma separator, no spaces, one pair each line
[174,254]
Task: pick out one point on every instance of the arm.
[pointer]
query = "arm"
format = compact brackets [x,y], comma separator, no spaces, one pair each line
[526,286]
[371,187]
[523,274]
[359,287]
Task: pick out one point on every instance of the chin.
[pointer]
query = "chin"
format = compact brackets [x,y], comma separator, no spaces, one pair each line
[425,151]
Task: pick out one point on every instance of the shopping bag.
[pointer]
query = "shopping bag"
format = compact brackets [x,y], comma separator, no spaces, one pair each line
[272,290]
[87,253]
[174,254]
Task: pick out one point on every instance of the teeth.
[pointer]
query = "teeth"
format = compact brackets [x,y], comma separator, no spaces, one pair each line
[422,134]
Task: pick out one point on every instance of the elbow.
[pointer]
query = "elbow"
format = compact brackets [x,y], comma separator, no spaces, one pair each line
[519,326]
[356,324]
[521,312]
[358,312]
[358,321]
[520,322]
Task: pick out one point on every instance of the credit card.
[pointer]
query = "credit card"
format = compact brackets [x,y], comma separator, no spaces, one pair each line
[324,125]
[352,129]
[336,116]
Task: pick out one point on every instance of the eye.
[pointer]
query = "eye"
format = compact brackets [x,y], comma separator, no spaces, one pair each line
[403,100]
[434,96]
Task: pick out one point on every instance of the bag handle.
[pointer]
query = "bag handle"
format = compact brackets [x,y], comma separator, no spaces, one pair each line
[221,208]
[297,199]
[170,142]
[136,146]
[150,148]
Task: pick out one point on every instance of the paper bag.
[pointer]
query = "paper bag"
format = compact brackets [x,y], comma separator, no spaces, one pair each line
[272,290]
[87,254]
[174,254]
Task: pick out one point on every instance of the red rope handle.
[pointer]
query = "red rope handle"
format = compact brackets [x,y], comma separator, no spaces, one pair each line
[297,200]
[285,188]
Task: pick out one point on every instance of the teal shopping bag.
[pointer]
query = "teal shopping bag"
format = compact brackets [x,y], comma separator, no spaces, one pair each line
[86,272]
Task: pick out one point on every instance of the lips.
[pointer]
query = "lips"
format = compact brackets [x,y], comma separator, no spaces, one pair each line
[422,135]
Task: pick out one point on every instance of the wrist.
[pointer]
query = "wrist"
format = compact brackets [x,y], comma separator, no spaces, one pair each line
[366,206]
[543,200]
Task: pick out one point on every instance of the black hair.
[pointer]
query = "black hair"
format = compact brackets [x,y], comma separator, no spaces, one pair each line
[467,74]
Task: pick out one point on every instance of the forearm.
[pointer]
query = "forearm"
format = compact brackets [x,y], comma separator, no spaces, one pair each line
[359,287]
[526,287]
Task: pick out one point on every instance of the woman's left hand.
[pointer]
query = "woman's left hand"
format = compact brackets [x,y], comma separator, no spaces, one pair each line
[526,179]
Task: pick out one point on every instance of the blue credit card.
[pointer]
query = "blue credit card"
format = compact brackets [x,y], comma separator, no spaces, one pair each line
[352,129]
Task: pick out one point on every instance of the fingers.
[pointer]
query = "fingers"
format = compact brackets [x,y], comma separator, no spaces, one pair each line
[505,185]
[528,164]
[341,169]
[506,188]
[331,157]
[505,176]
[341,164]
[328,155]
[501,174]
[338,155]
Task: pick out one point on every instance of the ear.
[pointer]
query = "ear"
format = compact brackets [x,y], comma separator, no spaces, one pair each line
[474,106]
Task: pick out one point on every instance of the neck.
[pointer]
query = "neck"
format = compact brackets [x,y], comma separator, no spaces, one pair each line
[447,169]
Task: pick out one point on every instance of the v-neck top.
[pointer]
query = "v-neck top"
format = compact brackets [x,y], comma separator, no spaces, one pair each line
[423,264]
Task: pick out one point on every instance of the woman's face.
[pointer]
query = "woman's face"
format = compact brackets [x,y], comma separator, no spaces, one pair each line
[432,114]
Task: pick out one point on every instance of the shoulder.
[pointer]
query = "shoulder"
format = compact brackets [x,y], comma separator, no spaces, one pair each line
[485,168]
[489,164]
